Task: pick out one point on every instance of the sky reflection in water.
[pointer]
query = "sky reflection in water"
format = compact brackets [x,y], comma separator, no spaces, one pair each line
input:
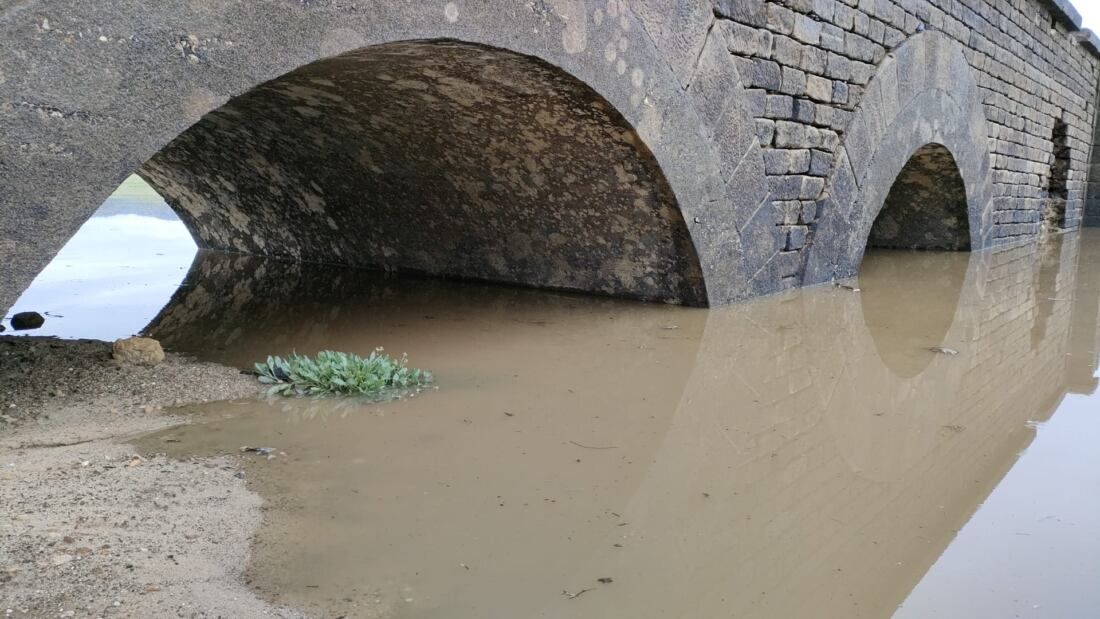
[116,273]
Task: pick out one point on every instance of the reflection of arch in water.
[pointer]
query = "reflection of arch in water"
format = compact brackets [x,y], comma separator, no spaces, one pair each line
[812,498]
[234,309]
[893,282]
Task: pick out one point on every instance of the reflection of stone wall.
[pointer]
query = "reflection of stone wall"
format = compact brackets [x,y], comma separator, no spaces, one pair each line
[237,309]
[833,482]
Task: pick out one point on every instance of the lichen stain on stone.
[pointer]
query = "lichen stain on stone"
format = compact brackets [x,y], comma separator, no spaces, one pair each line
[450,12]
[926,207]
[574,13]
[437,157]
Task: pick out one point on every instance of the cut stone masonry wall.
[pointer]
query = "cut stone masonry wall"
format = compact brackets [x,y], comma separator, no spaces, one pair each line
[805,65]
[773,129]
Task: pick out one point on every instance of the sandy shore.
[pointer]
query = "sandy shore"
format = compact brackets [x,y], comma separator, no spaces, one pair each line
[88,527]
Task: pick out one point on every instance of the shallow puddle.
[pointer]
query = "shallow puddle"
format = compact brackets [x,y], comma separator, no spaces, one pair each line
[806,455]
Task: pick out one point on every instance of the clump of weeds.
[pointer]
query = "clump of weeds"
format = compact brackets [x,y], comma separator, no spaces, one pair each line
[377,376]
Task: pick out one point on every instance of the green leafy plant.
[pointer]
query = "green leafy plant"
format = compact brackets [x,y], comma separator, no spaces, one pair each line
[377,376]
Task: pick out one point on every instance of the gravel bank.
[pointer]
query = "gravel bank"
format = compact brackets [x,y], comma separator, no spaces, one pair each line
[88,527]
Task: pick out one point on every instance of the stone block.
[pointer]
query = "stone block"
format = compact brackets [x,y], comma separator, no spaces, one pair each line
[825,9]
[794,82]
[750,12]
[765,131]
[780,18]
[746,40]
[789,134]
[786,51]
[777,161]
[807,29]
[821,163]
[819,89]
[780,107]
[799,161]
[785,187]
[813,60]
[838,67]
[766,74]
[832,38]
[840,93]
[804,111]
[811,187]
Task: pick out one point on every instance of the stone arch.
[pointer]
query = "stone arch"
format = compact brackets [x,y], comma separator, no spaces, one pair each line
[181,61]
[923,93]
[435,157]
[926,206]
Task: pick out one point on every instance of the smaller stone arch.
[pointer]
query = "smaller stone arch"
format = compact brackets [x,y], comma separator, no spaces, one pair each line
[923,96]
[926,206]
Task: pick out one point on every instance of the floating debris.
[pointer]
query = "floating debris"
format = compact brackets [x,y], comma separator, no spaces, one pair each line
[943,351]
[594,447]
[263,451]
[847,287]
[605,580]
[576,595]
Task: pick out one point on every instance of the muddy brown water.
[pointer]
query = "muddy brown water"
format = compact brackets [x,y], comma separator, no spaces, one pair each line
[805,455]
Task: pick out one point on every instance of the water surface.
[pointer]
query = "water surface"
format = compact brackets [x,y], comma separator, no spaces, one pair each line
[116,273]
[797,456]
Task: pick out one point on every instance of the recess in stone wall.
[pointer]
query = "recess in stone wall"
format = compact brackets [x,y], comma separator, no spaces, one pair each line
[1054,209]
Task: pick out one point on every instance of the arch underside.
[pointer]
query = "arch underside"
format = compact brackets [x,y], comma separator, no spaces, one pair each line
[437,157]
[926,206]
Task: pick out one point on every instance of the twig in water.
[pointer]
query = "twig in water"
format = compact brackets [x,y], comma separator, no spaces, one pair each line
[576,595]
[591,447]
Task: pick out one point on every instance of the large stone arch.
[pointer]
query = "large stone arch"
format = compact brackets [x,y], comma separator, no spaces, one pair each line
[924,93]
[94,92]
[437,157]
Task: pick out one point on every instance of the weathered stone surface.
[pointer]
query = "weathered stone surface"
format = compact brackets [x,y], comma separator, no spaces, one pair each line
[614,147]
[137,351]
[885,135]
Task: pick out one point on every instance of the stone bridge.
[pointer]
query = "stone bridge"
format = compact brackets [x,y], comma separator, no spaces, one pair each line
[692,151]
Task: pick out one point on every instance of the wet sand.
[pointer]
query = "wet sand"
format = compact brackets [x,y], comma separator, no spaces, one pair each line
[90,528]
